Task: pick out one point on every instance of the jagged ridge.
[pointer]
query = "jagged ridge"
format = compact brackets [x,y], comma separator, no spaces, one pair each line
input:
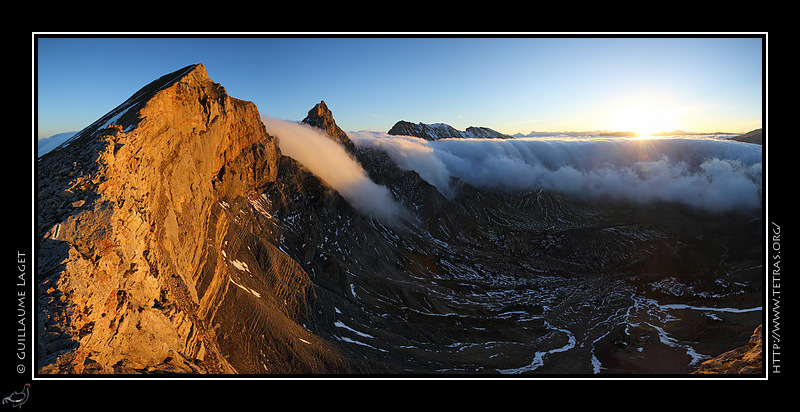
[142,260]
[438,131]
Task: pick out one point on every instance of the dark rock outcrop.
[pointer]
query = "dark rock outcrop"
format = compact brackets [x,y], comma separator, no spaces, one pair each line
[754,136]
[483,133]
[438,131]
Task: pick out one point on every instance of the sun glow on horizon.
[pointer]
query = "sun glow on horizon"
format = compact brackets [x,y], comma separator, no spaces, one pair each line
[645,114]
[643,120]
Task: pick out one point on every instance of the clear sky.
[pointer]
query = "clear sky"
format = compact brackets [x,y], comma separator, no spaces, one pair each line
[512,85]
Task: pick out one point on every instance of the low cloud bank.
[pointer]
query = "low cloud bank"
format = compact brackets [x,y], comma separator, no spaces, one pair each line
[329,161]
[709,174]
[47,144]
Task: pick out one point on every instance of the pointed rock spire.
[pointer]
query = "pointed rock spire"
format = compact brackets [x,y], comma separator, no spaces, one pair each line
[321,117]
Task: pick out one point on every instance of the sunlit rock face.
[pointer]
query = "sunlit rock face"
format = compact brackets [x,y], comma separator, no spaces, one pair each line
[141,256]
[745,360]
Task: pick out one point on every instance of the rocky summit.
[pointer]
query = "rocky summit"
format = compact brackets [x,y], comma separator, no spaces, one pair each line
[174,236]
[138,247]
[322,118]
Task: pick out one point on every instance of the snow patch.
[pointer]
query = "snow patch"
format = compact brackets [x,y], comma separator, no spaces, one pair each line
[261,204]
[238,264]
[245,288]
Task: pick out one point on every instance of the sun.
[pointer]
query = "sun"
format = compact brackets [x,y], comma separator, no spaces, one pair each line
[644,113]
[644,121]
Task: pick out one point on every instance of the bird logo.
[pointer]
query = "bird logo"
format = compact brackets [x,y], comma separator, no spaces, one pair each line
[18,398]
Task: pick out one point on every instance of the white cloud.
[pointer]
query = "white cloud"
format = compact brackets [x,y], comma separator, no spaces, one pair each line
[710,174]
[329,161]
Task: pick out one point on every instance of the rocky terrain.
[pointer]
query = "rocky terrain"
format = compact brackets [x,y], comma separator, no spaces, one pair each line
[175,237]
[747,359]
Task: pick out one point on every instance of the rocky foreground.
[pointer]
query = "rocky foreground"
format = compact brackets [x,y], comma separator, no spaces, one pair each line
[748,359]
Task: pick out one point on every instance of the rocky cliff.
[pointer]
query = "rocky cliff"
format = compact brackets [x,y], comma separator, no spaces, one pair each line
[143,263]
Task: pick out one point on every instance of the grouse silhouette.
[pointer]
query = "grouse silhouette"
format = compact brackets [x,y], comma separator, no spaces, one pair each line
[18,398]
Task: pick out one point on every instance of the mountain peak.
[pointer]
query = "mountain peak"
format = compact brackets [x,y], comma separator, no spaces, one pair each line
[127,115]
[193,72]
[137,193]
[320,110]
[321,117]
[196,70]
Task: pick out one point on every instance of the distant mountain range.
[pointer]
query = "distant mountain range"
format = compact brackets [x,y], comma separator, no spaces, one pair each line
[618,133]
[436,131]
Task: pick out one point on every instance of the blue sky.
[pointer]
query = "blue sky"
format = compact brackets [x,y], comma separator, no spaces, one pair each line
[508,84]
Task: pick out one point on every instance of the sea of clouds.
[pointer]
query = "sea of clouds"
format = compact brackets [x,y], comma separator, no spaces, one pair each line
[711,174]
[707,173]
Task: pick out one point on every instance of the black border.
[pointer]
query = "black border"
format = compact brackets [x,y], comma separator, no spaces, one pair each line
[210,390]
